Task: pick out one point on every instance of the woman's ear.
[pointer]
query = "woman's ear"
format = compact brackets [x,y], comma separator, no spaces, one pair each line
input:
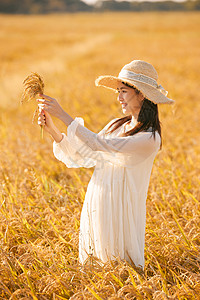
[141,97]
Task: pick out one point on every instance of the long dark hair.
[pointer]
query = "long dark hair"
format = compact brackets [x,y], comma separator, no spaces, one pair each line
[148,118]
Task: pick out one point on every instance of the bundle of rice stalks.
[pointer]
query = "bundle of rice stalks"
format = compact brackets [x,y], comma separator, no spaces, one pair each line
[33,86]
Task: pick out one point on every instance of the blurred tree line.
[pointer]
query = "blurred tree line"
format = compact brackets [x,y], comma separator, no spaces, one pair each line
[42,6]
[55,6]
[148,6]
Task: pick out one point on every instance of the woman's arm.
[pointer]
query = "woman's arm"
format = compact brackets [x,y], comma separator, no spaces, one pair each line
[56,135]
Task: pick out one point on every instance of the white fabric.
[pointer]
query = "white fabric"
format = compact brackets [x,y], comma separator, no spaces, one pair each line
[114,211]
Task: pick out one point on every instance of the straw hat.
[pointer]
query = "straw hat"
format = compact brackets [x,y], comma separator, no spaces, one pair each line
[140,75]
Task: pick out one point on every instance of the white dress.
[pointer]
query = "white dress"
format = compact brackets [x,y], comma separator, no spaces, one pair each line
[113,216]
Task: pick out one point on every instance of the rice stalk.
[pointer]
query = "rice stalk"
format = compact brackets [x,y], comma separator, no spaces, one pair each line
[93,293]
[58,296]
[163,278]
[181,229]
[186,193]
[95,286]
[135,286]
[117,280]
[33,86]
[98,275]
[5,288]
[28,280]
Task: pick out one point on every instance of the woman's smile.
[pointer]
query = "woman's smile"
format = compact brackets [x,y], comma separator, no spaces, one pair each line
[124,105]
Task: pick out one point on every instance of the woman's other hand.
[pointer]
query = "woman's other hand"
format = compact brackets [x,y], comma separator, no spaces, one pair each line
[45,120]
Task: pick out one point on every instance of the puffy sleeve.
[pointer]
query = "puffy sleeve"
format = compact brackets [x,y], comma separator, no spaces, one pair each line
[86,148]
[72,152]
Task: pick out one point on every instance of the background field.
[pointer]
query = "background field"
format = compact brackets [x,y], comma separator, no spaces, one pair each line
[41,199]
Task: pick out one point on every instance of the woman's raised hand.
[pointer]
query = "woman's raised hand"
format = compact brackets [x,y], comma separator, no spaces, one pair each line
[51,106]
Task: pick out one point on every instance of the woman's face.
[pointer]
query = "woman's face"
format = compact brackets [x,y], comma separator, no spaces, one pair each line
[131,101]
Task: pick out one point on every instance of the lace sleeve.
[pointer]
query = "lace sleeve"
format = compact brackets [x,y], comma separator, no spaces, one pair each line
[64,152]
[72,152]
[141,142]
[124,151]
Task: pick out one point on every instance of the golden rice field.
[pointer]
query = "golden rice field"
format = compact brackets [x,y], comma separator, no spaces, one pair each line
[41,200]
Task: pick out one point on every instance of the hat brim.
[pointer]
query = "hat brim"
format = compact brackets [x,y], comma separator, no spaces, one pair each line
[149,92]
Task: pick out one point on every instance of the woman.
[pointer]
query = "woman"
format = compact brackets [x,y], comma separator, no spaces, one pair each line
[113,216]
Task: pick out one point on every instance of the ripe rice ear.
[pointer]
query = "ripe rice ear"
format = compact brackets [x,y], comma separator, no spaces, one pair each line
[33,86]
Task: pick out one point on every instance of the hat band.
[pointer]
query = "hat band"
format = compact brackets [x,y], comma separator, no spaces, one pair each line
[139,77]
[142,78]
